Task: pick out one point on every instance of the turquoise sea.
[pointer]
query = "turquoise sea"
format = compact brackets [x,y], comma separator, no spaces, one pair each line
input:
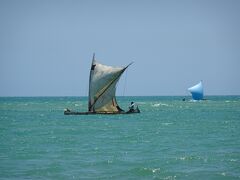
[169,139]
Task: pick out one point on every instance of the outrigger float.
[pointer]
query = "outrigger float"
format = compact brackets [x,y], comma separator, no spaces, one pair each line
[102,89]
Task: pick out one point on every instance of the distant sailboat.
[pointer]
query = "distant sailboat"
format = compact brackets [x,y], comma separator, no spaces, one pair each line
[102,89]
[197,91]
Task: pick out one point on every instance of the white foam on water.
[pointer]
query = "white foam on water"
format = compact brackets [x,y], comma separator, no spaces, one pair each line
[223,174]
[156,105]
[182,158]
[155,170]
[166,124]
[42,115]
[192,100]
[159,104]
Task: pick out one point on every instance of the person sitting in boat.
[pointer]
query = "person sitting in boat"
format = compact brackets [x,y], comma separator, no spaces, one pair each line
[66,110]
[132,106]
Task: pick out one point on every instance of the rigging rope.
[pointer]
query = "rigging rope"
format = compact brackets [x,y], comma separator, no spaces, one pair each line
[125,82]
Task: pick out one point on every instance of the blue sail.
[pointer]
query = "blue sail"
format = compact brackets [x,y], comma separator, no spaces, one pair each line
[197,91]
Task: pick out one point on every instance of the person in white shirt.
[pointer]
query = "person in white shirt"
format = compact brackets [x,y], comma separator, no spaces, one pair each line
[132,106]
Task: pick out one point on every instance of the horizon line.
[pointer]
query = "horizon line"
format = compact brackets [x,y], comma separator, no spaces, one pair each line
[118,96]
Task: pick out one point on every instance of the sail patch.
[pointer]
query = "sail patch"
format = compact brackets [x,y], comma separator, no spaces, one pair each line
[102,87]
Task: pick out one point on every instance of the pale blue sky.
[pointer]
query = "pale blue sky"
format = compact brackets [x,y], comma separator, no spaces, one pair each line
[46,46]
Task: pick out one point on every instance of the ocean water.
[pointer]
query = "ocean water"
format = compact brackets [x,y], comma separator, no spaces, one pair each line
[169,139]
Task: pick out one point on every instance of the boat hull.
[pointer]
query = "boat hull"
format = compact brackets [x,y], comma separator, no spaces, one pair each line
[69,112]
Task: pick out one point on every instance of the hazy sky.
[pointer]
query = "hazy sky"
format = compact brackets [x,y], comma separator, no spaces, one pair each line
[46,46]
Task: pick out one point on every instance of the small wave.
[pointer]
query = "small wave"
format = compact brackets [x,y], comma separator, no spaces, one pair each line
[141,103]
[170,177]
[21,104]
[192,100]
[182,158]
[109,161]
[166,124]
[159,104]
[162,104]
[153,170]
[188,158]
[223,174]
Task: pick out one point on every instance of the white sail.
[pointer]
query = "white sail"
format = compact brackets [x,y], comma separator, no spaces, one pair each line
[197,91]
[102,87]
